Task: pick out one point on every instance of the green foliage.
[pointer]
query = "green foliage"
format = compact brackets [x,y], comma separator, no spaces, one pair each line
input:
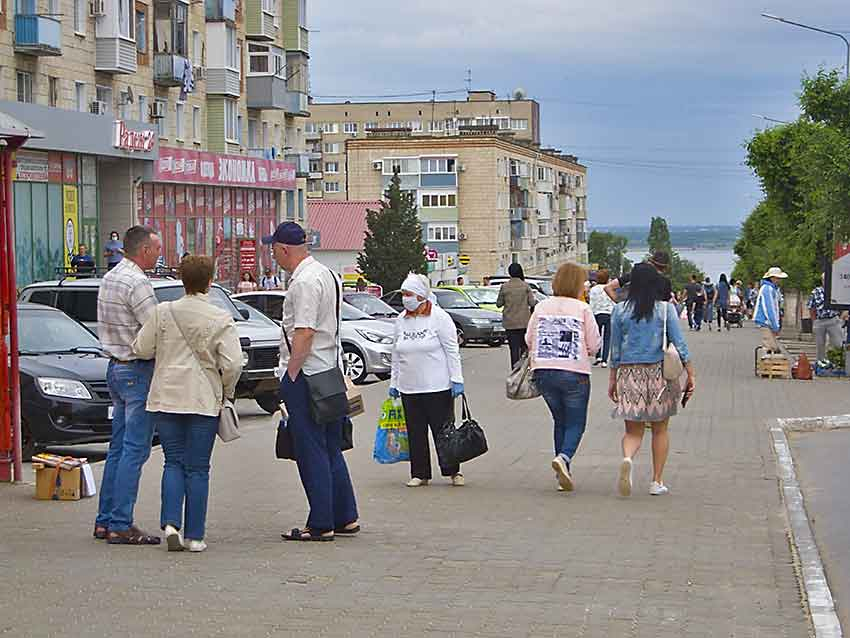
[393,245]
[608,250]
[659,236]
[680,269]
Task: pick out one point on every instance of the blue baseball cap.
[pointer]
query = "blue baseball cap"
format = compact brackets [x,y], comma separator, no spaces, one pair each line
[288,234]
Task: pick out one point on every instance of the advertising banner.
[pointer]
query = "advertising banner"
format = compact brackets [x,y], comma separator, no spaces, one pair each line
[248,256]
[31,166]
[838,278]
[198,167]
[70,222]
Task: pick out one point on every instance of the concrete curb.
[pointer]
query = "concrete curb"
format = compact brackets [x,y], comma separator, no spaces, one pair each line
[819,596]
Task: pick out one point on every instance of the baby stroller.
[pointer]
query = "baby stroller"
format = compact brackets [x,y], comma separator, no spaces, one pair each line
[735,312]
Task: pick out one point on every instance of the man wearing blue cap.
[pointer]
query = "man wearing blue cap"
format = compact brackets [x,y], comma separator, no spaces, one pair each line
[309,346]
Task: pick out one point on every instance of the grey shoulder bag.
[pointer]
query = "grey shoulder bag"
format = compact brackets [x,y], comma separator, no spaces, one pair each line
[228,419]
[327,389]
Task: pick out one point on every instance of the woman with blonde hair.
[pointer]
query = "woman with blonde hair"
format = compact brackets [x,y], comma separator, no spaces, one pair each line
[562,337]
[427,375]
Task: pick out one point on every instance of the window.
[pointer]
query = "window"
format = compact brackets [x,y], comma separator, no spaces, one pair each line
[104,94]
[239,129]
[315,166]
[196,123]
[310,128]
[314,185]
[52,91]
[80,96]
[329,127]
[197,49]
[332,167]
[331,187]
[143,108]
[264,139]
[79,304]
[578,181]
[252,132]
[350,128]
[370,125]
[268,6]
[24,86]
[518,168]
[231,108]
[238,66]
[179,114]
[276,136]
[126,21]
[80,14]
[436,165]
[230,47]
[519,125]
[264,59]
[171,32]
[437,126]
[160,121]
[441,200]
[446,232]
[331,148]
[405,166]
[141,31]
[416,125]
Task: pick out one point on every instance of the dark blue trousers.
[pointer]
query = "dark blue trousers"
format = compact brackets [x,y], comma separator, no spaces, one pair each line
[318,454]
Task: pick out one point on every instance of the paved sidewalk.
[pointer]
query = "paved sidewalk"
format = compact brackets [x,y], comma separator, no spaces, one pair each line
[505,556]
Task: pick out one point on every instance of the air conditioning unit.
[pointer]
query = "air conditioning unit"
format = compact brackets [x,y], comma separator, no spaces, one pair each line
[98,107]
[157,110]
[378,165]
[97,8]
[461,168]
[354,134]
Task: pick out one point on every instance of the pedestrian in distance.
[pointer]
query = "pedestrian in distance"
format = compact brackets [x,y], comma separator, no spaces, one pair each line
[82,262]
[601,305]
[427,376]
[247,284]
[190,338]
[360,286]
[270,281]
[637,384]
[459,281]
[517,299]
[827,325]
[766,312]
[710,291]
[724,291]
[114,250]
[562,338]
[309,346]
[125,302]
[660,262]
[695,302]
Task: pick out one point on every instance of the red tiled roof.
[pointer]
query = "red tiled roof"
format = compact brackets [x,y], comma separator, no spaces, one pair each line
[342,224]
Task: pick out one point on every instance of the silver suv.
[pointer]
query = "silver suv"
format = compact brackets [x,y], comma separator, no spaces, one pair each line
[260,341]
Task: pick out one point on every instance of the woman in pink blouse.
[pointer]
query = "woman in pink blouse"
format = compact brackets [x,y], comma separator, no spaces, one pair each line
[562,338]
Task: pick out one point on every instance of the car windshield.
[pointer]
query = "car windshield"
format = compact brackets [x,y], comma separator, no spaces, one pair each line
[253,313]
[371,305]
[450,299]
[217,297]
[483,295]
[350,313]
[545,286]
[41,332]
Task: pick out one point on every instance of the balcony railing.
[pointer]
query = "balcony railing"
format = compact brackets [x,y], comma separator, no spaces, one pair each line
[302,163]
[266,92]
[38,35]
[170,69]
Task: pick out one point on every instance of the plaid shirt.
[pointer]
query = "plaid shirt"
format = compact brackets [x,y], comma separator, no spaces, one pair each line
[125,301]
[817,302]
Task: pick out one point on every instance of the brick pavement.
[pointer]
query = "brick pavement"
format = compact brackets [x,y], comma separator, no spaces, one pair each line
[505,556]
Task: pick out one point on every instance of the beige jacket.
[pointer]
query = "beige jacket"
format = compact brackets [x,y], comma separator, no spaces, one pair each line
[177,386]
[517,298]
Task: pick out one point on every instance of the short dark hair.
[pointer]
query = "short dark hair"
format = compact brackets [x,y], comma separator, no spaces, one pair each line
[515,270]
[196,272]
[136,237]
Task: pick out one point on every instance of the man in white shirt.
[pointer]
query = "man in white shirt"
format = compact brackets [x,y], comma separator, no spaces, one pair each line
[270,281]
[310,345]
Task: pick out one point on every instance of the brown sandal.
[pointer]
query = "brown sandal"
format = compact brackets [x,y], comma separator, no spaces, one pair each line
[100,532]
[133,536]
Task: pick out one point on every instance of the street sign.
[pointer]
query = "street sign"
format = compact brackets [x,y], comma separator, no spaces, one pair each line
[432,255]
[463,260]
[450,261]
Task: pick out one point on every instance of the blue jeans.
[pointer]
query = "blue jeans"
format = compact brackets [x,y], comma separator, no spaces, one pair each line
[187,440]
[567,395]
[708,315]
[130,444]
[321,466]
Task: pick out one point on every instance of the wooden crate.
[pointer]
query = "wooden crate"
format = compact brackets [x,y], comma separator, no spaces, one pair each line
[773,366]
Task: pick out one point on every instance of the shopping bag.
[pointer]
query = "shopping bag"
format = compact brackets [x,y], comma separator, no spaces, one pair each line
[520,382]
[285,447]
[391,444]
[464,443]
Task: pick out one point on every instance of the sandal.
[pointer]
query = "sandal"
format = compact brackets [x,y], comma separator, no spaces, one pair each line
[133,536]
[100,532]
[307,535]
[345,530]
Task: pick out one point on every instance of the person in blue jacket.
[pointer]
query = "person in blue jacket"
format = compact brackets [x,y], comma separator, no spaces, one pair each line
[766,315]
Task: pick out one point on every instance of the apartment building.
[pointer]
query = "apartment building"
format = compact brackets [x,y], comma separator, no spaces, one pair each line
[185,115]
[485,200]
[332,124]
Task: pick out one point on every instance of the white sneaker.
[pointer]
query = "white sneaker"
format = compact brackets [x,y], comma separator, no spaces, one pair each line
[658,489]
[418,482]
[458,480]
[173,539]
[565,480]
[625,482]
[196,546]
[604,364]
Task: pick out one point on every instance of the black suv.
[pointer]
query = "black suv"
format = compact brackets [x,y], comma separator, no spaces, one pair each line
[260,342]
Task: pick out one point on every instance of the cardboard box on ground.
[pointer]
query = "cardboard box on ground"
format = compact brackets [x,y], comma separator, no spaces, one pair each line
[62,478]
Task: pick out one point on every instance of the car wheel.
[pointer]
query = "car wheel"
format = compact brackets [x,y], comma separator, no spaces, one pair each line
[383,376]
[355,364]
[29,447]
[268,402]
[461,339]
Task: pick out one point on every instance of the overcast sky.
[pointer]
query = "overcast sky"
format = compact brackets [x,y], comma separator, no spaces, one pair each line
[655,98]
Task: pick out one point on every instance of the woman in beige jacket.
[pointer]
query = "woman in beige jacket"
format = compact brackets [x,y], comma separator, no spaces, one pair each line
[198,362]
[517,299]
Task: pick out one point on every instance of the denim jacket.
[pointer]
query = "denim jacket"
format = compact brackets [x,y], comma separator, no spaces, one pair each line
[642,341]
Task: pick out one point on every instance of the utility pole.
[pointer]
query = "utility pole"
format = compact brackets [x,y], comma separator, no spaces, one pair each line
[433,107]
[468,80]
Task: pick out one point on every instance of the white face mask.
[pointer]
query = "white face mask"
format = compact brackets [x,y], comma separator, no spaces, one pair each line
[411,304]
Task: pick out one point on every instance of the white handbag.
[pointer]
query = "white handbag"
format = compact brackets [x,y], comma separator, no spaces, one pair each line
[673,366]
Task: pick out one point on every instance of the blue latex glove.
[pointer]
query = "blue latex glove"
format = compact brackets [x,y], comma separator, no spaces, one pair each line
[394,393]
[457,389]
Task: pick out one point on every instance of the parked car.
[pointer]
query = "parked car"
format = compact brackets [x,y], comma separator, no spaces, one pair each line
[474,325]
[260,341]
[371,305]
[541,284]
[64,396]
[479,295]
[367,343]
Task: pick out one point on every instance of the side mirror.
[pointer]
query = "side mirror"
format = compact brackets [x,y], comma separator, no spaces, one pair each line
[245,314]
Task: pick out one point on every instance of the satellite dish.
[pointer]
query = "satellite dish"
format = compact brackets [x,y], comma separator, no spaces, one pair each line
[130,97]
[520,94]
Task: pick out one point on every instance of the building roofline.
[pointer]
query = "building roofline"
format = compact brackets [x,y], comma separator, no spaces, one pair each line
[403,103]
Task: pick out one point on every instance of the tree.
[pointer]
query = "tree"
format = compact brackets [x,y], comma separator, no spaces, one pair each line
[608,250]
[680,269]
[393,245]
[659,236]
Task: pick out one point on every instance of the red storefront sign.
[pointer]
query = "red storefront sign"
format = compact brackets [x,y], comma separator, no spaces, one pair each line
[248,255]
[128,140]
[197,167]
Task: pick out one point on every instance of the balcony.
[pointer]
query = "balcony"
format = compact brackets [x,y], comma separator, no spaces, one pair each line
[259,21]
[38,35]
[438,180]
[522,183]
[220,10]
[115,55]
[520,214]
[223,81]
[296,104]
[302,163]
[266,92]
[169,69]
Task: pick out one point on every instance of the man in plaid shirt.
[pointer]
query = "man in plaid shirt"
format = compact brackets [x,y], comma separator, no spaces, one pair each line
[825,323]
[125,301]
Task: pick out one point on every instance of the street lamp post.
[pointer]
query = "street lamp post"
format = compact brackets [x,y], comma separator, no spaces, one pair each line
[819,30]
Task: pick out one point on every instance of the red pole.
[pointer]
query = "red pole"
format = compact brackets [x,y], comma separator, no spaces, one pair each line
[14,377]
[5,408]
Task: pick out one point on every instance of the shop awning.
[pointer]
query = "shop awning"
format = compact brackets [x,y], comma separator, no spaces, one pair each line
[12,127]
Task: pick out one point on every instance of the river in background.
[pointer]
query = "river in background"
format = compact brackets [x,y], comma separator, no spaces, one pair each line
[711,262]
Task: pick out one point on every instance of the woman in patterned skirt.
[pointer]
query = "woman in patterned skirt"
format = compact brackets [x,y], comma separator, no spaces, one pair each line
[637,384]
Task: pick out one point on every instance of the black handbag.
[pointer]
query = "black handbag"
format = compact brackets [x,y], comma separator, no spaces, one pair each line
[464,443]
[285,446]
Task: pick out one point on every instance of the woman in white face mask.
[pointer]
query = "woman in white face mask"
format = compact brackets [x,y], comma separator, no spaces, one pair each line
[426,374]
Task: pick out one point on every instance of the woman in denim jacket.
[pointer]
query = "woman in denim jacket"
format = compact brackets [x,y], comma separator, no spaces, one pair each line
[637,384]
